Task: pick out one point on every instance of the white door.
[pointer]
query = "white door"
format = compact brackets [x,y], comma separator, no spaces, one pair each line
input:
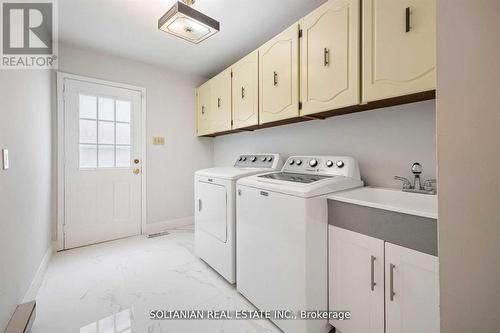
[412,291]
[356,280]
[102,163]
[211,213]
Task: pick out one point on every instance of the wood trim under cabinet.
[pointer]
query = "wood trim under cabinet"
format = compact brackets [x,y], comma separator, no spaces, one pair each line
[400,100]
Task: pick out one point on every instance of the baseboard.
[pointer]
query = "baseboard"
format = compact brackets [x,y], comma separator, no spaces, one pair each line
[161,226]
[40,273]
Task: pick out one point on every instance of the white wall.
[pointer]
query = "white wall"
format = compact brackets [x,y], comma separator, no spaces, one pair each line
[170,113]
[26,193]
[385,142]
[468,127]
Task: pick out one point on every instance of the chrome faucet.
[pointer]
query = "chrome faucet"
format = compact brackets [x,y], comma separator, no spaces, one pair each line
[417,187]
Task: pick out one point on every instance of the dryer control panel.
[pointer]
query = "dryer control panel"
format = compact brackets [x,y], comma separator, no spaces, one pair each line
[323,165]
[272,161]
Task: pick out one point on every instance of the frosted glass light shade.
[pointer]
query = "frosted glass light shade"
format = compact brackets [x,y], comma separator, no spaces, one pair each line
[187,23]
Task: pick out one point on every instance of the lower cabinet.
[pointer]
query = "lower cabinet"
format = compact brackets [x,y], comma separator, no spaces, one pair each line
[356,280]
[362,279]
[412,291]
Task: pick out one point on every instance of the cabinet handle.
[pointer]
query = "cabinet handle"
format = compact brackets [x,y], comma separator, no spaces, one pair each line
[326,57]
[219,102]
[275,78]
[373,284]
[407,15]
[199,205]
[203,109]
[242,92]
[391,282]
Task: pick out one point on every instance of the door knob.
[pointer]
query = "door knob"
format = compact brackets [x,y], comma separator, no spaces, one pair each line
[136,171]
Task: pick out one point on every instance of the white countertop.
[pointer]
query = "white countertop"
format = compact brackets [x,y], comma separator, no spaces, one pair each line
[390,199]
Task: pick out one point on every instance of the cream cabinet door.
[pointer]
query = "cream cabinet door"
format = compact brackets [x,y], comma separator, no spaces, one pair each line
[330,57]
[246,91]
[399,48]
[356,280]
[412,291]
[220,112]
[278,77]
[203,106]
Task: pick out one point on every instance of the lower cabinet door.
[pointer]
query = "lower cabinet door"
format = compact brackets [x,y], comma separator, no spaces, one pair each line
[356,281]
[412,291]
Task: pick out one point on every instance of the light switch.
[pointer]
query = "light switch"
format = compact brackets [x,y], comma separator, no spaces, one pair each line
[5,159]
[158,140]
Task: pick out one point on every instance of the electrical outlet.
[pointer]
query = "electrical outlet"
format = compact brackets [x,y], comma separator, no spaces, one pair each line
[158,140]
[5,159]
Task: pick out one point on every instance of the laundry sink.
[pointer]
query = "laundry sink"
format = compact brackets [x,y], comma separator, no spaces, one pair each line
[390,199]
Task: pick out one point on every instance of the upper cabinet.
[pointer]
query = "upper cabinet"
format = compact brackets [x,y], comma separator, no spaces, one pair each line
[203,104]
[329,62]
[220,112]
[246,91]
[399,47]
[336,60]
[279,77]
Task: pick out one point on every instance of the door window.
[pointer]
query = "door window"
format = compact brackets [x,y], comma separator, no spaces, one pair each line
[105,132]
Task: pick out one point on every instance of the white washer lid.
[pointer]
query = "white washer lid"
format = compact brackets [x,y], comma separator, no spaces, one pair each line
[320,187]
[231,173]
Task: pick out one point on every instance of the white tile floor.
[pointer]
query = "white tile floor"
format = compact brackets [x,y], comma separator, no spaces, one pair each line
[111,287]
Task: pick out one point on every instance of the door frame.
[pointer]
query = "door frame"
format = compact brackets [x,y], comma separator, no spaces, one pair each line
[61,78]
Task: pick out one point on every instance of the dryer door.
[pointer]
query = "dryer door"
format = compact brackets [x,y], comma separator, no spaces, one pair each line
[211,210]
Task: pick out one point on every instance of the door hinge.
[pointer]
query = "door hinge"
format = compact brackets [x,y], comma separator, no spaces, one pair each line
[300,105]
[300,33]
[232,123]
[231,73]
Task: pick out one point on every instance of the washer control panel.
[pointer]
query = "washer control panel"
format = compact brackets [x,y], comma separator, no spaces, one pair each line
[258,161]
[323,165]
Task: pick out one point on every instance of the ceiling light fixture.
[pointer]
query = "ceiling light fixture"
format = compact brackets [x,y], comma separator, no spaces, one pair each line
[187,23]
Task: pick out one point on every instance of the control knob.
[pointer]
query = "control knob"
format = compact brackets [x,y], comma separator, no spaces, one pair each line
[291,162]
[340,164]
[253,158]
[264,159]
[313,162]
[329,163]
[299,162]
[244,158]
[270,159]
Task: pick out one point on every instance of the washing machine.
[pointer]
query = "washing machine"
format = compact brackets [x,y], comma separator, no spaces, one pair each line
[215,209]
[282,236]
